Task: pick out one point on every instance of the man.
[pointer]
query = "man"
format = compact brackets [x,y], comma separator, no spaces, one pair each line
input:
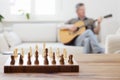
[88,38]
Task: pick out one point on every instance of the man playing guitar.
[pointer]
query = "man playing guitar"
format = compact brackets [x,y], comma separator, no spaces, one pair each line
[87,38]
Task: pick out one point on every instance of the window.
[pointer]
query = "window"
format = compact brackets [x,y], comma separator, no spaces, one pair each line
[19,6]
[35,7]
[45,7]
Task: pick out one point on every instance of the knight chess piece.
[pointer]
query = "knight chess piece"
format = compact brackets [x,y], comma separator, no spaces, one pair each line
[70,61]
[53,61]
[62,60]
[36,58]
[29,59]
[21,60]
[12,60]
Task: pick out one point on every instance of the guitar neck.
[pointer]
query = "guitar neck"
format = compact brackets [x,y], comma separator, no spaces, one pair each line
[107,16]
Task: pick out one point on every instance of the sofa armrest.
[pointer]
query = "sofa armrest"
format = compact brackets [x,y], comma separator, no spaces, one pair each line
[112,44]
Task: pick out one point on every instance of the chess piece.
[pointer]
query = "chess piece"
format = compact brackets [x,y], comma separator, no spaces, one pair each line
[30,51]
[58,52]
[46,52]
[46,60]
[29,59]
[70,61]
[50,52]
[44,46]
[16,53]
[53,61]
[61,59]
[22,52]
[12,60]
[65,53]
[21,60]
[36,58]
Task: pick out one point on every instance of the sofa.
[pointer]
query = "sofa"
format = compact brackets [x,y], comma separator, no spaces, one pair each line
[30,35]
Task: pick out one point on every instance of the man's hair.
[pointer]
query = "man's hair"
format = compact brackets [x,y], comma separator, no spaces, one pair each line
[79,5]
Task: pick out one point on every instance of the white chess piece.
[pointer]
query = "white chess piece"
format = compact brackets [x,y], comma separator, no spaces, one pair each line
[22,52]
[58,52]
[65,53]
[50,52]
[30,51]
[43,51]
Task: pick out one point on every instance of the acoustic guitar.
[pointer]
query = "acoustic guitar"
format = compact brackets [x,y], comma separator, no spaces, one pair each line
[66,36]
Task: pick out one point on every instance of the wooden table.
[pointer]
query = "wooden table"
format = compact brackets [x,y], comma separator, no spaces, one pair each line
[92,67]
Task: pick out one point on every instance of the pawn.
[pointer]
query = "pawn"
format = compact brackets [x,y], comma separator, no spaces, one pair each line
[70,61]
[61,59]
[46,60]
[21,60]
[53,61]
[29,59]
[12,60]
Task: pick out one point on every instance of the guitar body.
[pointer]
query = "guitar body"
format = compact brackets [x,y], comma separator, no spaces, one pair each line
[66,36]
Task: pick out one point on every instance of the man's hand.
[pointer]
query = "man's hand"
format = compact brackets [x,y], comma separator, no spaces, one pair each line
[100,20]
[73,28]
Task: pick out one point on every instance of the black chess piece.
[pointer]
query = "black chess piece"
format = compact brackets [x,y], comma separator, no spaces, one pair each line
[70,61]
[53,61]
[46,52]
[46,62]
[21,60]
[12,60]
[62,60]
[29,59]
[36,58]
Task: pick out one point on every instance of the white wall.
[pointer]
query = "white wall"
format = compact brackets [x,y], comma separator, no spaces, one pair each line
[95,8]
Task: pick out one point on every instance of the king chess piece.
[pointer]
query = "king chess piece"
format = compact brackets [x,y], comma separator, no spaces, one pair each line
[29,59]
[21,60]
[70,61]
[62,59]
[53,61]
[36,58]
[12,60]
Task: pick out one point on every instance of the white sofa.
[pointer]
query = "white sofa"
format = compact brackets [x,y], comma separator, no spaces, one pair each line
[113,43]
[34,34]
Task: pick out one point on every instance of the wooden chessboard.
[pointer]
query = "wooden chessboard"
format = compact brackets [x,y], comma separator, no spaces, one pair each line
[40,68]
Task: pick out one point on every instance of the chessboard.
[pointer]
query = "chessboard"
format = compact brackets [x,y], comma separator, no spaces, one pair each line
[47,62]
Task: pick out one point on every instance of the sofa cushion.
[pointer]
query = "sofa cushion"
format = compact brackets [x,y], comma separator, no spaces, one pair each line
[3,43]
[12,38]
[36,32]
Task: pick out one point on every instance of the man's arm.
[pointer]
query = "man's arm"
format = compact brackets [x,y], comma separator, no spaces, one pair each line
[97,29]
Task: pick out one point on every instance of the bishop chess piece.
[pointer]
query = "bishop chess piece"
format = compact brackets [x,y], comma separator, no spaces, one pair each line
[53,61]
[29,59]
[62,60]
[12,60]
[21,60]
[46,62]
[36,58]
[70,61]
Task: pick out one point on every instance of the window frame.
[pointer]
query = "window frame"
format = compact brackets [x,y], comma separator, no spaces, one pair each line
[34,17]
